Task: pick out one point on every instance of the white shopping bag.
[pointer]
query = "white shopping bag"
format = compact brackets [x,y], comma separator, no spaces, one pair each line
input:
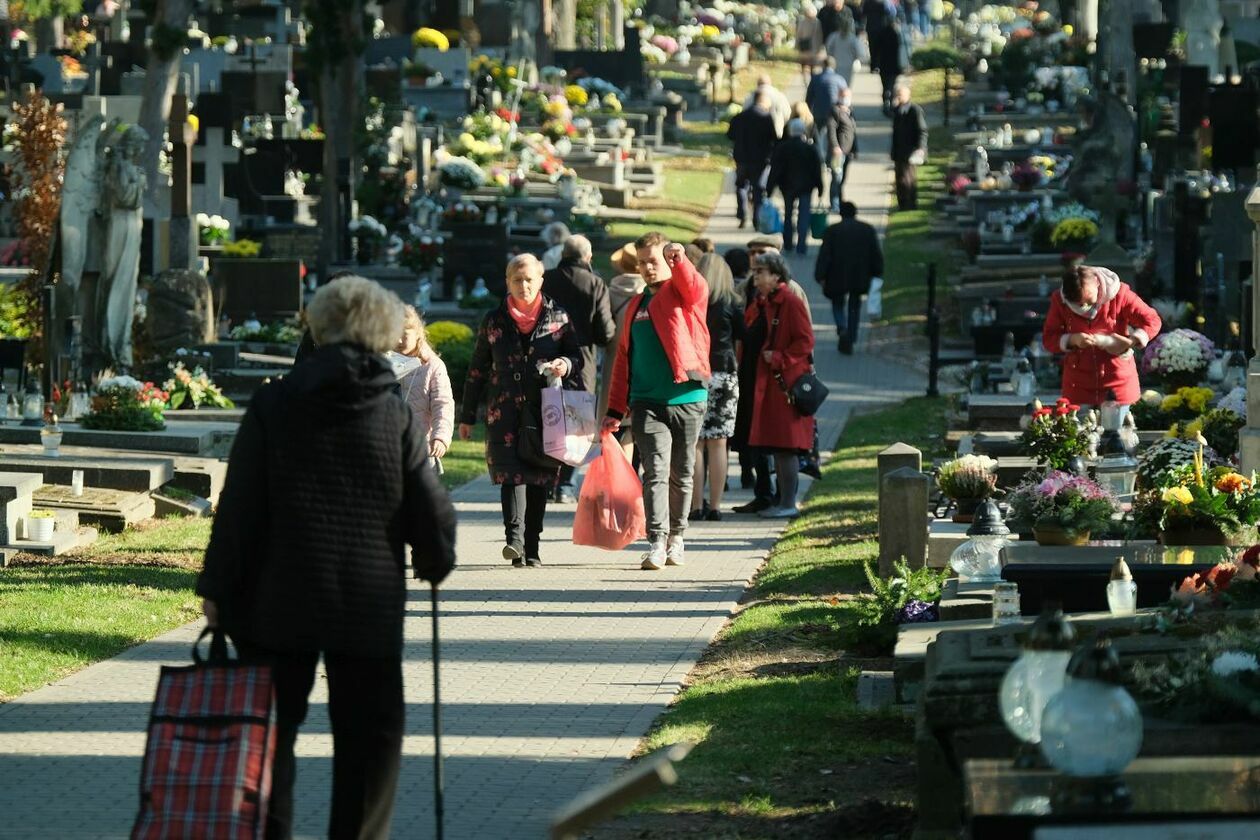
[568,424]
[875,298]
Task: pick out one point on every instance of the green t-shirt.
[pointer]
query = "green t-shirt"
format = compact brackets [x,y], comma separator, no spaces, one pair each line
[651,378]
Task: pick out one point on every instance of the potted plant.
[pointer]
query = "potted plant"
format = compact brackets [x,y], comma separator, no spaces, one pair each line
[1062,508]
[1075,235]
[40,525]
[1206,506]
[1056,436]
[1179,358]
[968,480]
[122,403]
[368,234]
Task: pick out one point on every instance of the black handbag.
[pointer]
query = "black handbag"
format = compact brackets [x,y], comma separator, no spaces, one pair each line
[529,442]
[807,393]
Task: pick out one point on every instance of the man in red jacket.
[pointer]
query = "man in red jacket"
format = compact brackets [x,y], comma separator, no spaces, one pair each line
[660,377]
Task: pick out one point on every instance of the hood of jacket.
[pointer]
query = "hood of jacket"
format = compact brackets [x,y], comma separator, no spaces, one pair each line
[1108,288]
[626,284]
[344,376]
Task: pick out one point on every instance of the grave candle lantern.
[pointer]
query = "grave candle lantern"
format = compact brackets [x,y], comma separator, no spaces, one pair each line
[979,558]
[1091,731]
[1035,677]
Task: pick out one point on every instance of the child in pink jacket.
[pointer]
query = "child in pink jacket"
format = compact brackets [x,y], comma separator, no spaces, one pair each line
[427,389]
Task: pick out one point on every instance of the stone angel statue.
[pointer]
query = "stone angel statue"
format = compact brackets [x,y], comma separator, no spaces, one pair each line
[122,202]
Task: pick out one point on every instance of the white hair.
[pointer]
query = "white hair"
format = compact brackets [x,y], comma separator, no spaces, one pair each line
[577,247]
[523,263]
[356,310]
[554,233]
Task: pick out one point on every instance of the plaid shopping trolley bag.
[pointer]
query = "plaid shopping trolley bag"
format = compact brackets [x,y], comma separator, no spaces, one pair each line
[212,738]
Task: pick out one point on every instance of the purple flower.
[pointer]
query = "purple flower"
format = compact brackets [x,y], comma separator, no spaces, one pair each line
[917,612]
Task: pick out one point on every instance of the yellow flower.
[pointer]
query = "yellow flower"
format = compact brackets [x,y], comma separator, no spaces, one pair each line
[709,31]
[431,38]
[1170,402]
[1178,495]
[511,71]
[576,95]
[1067,29]
[194,122]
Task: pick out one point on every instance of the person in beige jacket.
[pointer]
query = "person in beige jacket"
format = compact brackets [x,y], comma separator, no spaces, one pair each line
[427,389]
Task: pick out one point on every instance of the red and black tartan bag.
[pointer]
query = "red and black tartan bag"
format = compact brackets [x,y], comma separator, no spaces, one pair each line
[212,739]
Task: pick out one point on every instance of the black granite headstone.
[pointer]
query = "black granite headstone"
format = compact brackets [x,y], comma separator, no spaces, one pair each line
[476,250]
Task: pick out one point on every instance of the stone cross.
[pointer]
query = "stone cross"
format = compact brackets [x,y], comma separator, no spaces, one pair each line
[217,153]
[98,64]
[182,233]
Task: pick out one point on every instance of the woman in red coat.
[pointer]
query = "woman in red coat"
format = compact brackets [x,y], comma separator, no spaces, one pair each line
[785,356]
[1098,322]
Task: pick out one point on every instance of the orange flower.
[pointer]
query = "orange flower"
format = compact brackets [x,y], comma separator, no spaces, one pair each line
[1232,483]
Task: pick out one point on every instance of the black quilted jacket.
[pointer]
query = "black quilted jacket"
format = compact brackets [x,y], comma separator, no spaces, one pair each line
[326,483]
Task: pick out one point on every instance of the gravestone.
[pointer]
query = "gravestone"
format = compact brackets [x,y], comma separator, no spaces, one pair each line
[269,289]
[396,48]
[291,242]
[49,68]
[213,154]
[207,67]
[1249,437]
[180,311]
[252,92]
[903,519]
[476,250]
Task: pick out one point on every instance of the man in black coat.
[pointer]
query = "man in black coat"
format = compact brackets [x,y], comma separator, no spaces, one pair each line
[842,146]
[326,487]
[887,48]
[849,257]
[909,147]
[753,136]
[582,294]
[829,17]
[795,171]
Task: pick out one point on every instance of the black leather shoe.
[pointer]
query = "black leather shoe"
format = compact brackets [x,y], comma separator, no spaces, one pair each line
[532,561]
[755,506]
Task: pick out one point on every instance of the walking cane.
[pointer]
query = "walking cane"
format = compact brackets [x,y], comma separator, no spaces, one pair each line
[438,782]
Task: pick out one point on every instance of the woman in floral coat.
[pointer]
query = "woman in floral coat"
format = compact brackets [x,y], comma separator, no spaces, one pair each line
[519,344]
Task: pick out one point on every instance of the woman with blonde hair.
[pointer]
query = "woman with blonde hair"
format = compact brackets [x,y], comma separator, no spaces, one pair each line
[427,389]
[522,342]
[623,288]
[725,320]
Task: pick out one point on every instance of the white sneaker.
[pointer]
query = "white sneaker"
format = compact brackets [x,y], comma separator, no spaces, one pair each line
[675,551]
[654,558]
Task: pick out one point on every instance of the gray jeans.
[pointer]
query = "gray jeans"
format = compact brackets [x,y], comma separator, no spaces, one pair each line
[666,436]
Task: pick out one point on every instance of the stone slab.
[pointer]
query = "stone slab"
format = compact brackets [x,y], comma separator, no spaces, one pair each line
[192,506]
[875,690]
[191,438]
[109,510]
[63,541]
[134,474]
[966,601]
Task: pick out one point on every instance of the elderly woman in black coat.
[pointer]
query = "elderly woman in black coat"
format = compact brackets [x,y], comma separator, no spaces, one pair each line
[519,345]
[326,486]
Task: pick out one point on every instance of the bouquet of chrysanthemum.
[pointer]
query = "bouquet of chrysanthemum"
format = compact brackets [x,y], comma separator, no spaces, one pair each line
[1179,358]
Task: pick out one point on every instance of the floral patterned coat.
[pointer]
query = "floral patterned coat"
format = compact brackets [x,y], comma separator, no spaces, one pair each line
[504,373]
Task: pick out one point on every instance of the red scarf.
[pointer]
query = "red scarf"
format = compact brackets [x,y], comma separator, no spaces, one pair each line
[525,314]
[761,305]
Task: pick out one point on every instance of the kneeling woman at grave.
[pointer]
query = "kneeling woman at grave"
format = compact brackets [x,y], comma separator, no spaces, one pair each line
[1098,321]
[525,340]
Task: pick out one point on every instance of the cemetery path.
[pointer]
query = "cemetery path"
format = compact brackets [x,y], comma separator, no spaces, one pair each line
[550,676]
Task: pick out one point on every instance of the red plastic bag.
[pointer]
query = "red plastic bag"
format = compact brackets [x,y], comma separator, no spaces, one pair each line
[610,509]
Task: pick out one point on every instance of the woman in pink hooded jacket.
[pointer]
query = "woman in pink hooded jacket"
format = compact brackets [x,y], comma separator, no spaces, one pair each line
[1099,322]
[427,389]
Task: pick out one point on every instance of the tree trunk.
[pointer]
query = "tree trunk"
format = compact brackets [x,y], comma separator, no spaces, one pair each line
[160,76]
[340,92]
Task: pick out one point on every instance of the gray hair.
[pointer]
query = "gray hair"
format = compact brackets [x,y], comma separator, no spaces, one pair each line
[355,310]
[774,263]
[553,234]
[577,247]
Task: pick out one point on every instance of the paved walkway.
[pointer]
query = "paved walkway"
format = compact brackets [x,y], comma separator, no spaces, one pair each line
[550,676]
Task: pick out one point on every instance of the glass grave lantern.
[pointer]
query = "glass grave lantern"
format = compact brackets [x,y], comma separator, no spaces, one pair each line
[978,559]
[1090,732]
[1035,677]
[1115,468]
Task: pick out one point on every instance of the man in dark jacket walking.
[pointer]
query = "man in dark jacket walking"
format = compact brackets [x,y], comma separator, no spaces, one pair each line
[849,257]
[753,137]
[887,48]
[822,95]
[795,171]
[326,486]
[909,147]
[584,296]
[842,147]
